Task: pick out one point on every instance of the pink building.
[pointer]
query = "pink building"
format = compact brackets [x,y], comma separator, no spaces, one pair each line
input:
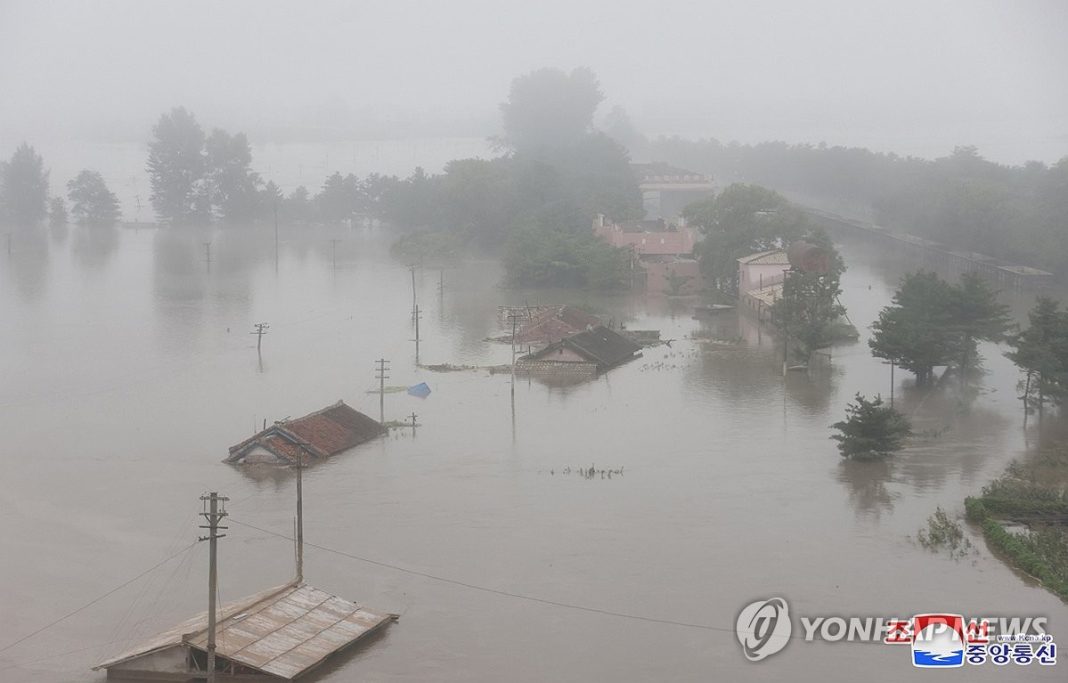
[760,278]
[663,255]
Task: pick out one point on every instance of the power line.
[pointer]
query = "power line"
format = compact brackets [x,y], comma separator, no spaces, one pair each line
[494,591]
[97,599]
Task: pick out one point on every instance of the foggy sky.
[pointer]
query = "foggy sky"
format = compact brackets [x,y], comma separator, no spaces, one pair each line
[912,76]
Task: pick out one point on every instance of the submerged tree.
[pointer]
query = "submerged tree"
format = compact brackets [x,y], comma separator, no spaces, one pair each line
[233,185]
[549,110]
[741,220]
[871,430]
[1041,352]
[977,316]
[92,203]
[24,187]
[57,212]
[916,331]
[176,169]
[809,310]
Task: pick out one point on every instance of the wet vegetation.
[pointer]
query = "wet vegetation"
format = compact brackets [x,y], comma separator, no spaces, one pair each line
[871,430]
[943,533]
[1032,495]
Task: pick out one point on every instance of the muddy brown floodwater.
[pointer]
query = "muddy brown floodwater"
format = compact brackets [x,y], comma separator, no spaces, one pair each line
[128,369]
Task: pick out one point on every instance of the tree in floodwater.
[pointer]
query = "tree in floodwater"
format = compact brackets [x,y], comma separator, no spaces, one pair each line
[92,203]
[549,110]
[871,430]
[57,213]
[177,168]
[809,310]
[978,316]
[741,220]
[1041,352]
[24,187]
[916,331]
[233,185]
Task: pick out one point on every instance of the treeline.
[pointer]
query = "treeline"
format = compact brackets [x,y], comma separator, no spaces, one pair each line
[1017,213]
[25,201]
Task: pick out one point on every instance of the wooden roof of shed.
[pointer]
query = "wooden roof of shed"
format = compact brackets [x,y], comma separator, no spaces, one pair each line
[284,632]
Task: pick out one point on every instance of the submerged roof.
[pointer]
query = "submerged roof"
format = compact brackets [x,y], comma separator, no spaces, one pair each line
[599,345]
[284,632]
[555,323]
[320,434]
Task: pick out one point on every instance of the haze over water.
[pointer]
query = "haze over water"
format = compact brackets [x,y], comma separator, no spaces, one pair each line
[130,370]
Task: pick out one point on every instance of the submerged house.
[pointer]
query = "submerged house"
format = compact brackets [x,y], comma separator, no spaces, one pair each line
[279,634]
[316,436]
[553,323]
[662,260]
[584,354]
[760,281]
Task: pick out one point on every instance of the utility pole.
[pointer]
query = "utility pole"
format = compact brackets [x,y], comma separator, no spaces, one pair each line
[381,375]
[300,516]
[333,253]
[261,329]
[413,423]
[213,514]
[207,255]
[414,307]
[417,316]
[785,324]
[276,234]
[514,317]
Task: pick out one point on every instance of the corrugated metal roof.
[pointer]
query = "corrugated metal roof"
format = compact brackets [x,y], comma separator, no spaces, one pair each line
[283,632]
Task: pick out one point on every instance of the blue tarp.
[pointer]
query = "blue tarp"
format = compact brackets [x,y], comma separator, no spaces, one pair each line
[421,390]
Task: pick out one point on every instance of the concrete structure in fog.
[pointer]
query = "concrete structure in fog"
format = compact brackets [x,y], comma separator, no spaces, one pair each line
[666,189]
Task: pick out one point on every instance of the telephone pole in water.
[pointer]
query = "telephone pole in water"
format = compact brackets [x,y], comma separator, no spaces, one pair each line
[381,376]
[213,514]
[414,308]
[261,329]
[417,316]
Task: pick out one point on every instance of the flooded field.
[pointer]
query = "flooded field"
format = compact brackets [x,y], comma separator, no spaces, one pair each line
[128,370]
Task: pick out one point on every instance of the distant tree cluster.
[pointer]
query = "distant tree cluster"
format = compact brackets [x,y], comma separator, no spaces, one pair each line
[1018,213]
[934,323]
[537,201]
[23,187]
[24,200]
[741,220]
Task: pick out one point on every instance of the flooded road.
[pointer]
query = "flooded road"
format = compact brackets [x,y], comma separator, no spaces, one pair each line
[128,369]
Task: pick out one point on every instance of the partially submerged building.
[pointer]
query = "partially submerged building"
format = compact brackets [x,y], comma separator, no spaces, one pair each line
[662,254]
[585,354]
[548,324]
[315,436]
[667,189]
[760,280]
[279,634]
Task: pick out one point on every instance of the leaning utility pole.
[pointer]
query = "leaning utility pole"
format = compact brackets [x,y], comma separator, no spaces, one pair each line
[381,376]
[261,329]
[213,514]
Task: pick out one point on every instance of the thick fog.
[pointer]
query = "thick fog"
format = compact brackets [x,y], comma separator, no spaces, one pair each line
[911,76]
